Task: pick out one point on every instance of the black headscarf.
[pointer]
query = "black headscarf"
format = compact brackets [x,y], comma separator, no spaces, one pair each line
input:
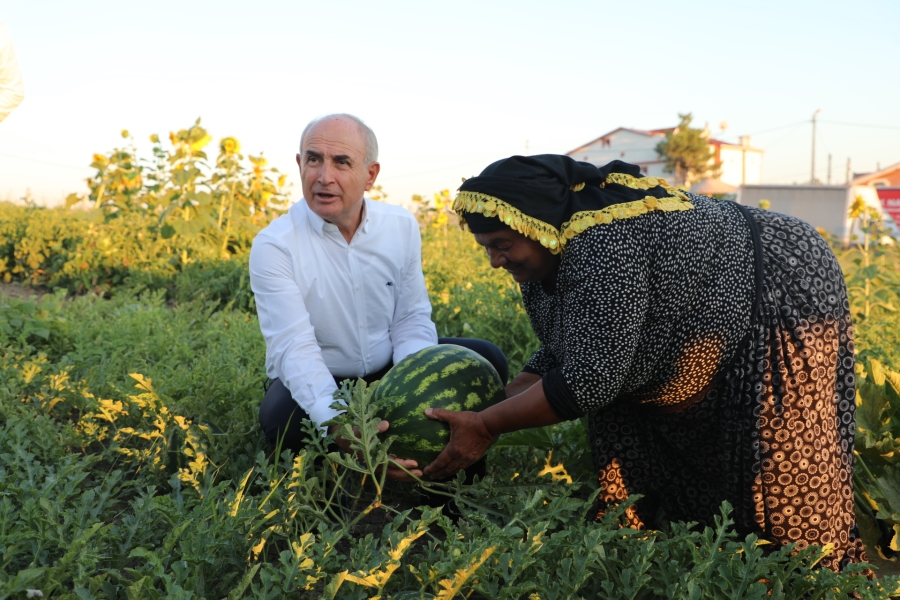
[551,198]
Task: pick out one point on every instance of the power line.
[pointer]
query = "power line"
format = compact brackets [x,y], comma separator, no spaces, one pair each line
[792,126]
[806,121]
[780,127]
[43,162]
[787,133]
[861,125]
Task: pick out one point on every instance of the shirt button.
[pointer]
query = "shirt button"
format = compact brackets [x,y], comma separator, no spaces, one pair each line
[357,287]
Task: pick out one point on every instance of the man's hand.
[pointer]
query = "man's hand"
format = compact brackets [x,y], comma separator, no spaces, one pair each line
[394,471]
[469,440]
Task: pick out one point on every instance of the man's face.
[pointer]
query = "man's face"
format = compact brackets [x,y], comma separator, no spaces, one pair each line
[333,169]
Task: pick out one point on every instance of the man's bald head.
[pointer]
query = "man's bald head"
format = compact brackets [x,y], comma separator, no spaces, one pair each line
[367,133]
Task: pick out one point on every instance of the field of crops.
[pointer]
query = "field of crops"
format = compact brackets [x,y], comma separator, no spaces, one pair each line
[132,465]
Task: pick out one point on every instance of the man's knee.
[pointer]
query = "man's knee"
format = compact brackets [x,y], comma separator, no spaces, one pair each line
[281,419]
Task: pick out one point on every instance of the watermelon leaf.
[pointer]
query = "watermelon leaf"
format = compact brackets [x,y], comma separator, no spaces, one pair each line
[532,438]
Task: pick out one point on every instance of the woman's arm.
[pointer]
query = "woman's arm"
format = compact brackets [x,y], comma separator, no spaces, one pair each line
[471,433]
[521,382]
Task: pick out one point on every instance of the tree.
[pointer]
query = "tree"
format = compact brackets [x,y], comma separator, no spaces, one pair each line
[687,153]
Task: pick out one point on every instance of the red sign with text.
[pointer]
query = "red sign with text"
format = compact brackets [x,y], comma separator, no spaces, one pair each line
[890,200]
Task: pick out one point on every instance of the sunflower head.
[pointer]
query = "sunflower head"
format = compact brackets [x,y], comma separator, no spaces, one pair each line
[229,145]
[858,208]
[198,144]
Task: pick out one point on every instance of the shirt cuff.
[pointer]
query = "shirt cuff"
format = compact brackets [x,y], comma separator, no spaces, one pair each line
[321,412]
[560,397]
[403,350]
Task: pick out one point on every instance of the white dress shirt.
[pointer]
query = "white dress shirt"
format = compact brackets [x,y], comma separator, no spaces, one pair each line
[11,89]
[328,308]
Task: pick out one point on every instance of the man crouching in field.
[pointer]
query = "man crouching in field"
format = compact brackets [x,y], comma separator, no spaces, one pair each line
[339,287]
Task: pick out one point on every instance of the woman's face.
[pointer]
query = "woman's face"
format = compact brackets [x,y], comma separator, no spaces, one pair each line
[525,259]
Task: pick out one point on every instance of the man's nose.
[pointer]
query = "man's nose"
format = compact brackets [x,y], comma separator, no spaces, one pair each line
[326,173]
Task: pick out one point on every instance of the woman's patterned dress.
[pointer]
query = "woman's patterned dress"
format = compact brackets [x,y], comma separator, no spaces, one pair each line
[710,371]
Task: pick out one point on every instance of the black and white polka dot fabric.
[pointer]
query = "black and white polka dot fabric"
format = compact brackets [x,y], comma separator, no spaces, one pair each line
[692,397]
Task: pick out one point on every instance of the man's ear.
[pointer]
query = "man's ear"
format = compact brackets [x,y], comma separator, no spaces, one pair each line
[372,171]
[299,160]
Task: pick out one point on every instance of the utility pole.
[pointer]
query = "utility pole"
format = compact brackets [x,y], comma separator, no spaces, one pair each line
[848,171]
[829,168]
[812,177]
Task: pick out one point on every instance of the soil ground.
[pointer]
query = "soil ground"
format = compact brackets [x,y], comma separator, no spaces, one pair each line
[23,292]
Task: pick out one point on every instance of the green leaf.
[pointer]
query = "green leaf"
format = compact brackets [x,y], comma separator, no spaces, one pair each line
[871,404]
[886,492]
[189,228]
[241,587]
[533,438]
[135,590]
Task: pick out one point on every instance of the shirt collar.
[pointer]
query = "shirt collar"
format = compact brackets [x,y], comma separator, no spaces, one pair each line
[364,223]
[320,225]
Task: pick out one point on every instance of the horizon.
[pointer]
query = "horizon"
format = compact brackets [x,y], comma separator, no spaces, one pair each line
[448,90]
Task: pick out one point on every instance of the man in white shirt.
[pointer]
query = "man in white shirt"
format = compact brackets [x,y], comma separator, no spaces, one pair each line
[338,284]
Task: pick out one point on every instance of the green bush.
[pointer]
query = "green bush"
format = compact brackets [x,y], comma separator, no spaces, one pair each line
[132,465]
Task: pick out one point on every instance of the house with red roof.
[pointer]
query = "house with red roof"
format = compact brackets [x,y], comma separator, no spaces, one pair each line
[887,184]
[741,163]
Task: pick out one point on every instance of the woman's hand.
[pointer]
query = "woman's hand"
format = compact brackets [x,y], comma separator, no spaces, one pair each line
[394,471]
[469,440]
[471,433]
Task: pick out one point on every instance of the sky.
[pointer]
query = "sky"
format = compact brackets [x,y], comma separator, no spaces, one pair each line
[448,87]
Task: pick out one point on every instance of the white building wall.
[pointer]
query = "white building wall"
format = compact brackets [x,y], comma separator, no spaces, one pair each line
[656,170]
[629,146]
[822,206]
[732,166]
[740,165]
[754,168]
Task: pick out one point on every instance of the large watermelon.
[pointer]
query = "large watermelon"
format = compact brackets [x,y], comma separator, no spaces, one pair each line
[443,376]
